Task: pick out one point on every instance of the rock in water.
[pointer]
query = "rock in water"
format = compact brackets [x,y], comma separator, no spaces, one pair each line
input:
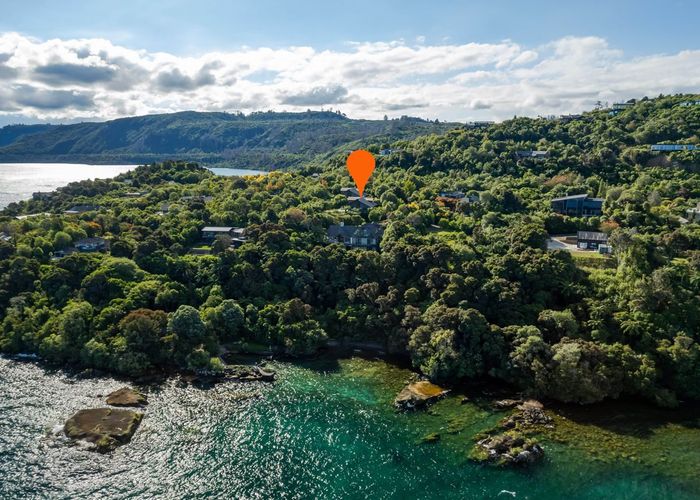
[126,397]
[507,449]
[418,394]
[107,428]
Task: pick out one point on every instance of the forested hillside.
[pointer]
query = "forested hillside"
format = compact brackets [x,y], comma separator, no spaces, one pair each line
[259,140]
[466,288]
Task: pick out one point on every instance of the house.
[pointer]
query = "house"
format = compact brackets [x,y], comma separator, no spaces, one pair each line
[238,237]
[536,155]
[385,152]
[690,103]
[693,214]
[456,195]
[81,209]
[5,237]
[42,195]
[361,203]
[92,245]
[620,106]
[580,205]
[569,118]
[364,236]
[674,147]
[591,240]
[197,198]
[349,191]
[211,232]
[134,194]
[479,124]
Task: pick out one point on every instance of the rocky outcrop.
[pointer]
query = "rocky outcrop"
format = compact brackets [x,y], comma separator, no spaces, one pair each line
[529,413]
[506,404]
[106,428]
[507,449]
[418,394]
[126,397]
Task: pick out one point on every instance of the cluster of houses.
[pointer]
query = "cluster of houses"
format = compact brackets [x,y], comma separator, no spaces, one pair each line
[690,103]
[578,205]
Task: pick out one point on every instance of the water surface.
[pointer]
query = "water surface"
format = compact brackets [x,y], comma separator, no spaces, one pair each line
[324,430]
[19,180]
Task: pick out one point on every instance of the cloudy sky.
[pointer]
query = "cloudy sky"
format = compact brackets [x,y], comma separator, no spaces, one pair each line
[453,60]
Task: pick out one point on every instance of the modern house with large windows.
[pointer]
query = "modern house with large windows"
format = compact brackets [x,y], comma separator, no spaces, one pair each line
[578,205]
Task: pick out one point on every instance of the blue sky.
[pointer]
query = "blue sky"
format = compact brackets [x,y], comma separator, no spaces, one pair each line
[194,27]
[456,60]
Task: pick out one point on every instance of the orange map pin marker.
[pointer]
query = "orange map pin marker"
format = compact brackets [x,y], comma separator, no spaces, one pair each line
[361,165]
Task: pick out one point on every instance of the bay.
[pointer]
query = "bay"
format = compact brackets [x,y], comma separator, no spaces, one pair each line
[325,429]
[19,180]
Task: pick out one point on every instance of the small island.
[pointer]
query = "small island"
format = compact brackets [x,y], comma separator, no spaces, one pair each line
[106,428]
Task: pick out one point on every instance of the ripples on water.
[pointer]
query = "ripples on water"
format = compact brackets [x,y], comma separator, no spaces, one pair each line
[312,434]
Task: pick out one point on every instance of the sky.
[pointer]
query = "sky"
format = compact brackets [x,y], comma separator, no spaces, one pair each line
[69,61]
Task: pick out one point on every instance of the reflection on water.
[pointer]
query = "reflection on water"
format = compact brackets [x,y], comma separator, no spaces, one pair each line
[19,180]
[318,432]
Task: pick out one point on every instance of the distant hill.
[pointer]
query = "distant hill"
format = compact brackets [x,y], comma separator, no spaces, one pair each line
[12,133]
[258,140]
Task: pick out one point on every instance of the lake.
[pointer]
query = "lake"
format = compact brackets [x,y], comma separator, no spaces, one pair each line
[19,180]
[324,429]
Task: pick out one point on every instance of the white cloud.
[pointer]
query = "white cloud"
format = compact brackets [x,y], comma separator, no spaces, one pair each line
[95,78]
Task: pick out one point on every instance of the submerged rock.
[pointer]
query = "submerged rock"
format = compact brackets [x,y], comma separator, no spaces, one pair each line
[126,397]
[106,428]
[507,449]
[418,394]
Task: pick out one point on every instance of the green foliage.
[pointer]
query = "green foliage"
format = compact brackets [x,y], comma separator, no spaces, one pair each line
[466,288]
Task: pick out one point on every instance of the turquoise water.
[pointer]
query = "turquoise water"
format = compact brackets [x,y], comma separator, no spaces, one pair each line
[325,430]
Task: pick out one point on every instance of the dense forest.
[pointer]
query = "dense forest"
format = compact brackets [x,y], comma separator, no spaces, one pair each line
[259,140]
[467,290]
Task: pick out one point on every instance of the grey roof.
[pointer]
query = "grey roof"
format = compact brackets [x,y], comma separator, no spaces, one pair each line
[82,208]
[218,229]
[363,231]
[576,197]
[90,241]
[591,235]
[572,197]
[368,202]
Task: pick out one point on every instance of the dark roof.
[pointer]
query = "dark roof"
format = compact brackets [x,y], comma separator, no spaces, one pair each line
[349,191]
[576,197]
[82,208]
[363,231]
[591,235]
[90,241]
[368,202]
